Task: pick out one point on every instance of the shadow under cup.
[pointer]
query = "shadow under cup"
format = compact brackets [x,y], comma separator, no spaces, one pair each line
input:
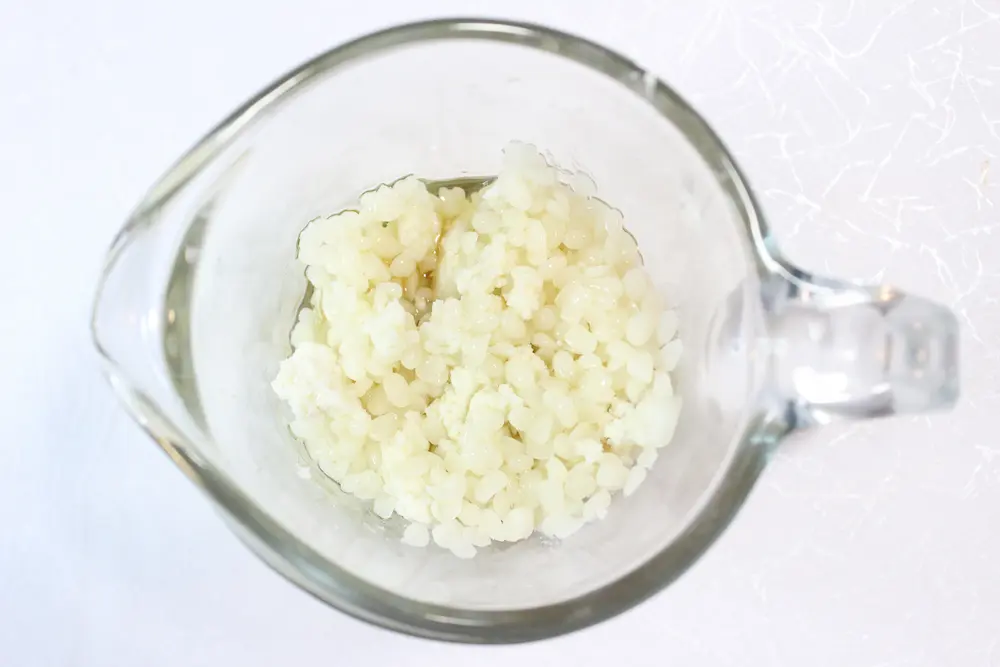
[369,113]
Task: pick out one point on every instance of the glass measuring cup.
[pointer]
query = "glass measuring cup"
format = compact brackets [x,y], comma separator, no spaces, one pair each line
[201,288]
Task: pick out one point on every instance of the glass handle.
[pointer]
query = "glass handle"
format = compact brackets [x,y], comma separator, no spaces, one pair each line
[839,350]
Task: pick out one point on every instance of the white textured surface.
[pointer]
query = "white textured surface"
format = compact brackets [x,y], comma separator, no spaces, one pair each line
[871,131]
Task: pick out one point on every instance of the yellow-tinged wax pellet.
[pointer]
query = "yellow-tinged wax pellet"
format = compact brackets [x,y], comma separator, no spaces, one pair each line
[484,365]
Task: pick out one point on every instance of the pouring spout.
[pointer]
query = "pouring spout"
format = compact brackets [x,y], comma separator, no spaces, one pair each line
[127,325]
[126,315]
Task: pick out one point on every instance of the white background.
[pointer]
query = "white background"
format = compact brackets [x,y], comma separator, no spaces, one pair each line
[869,128]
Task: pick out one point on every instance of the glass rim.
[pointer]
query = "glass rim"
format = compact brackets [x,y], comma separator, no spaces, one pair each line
[351,594]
